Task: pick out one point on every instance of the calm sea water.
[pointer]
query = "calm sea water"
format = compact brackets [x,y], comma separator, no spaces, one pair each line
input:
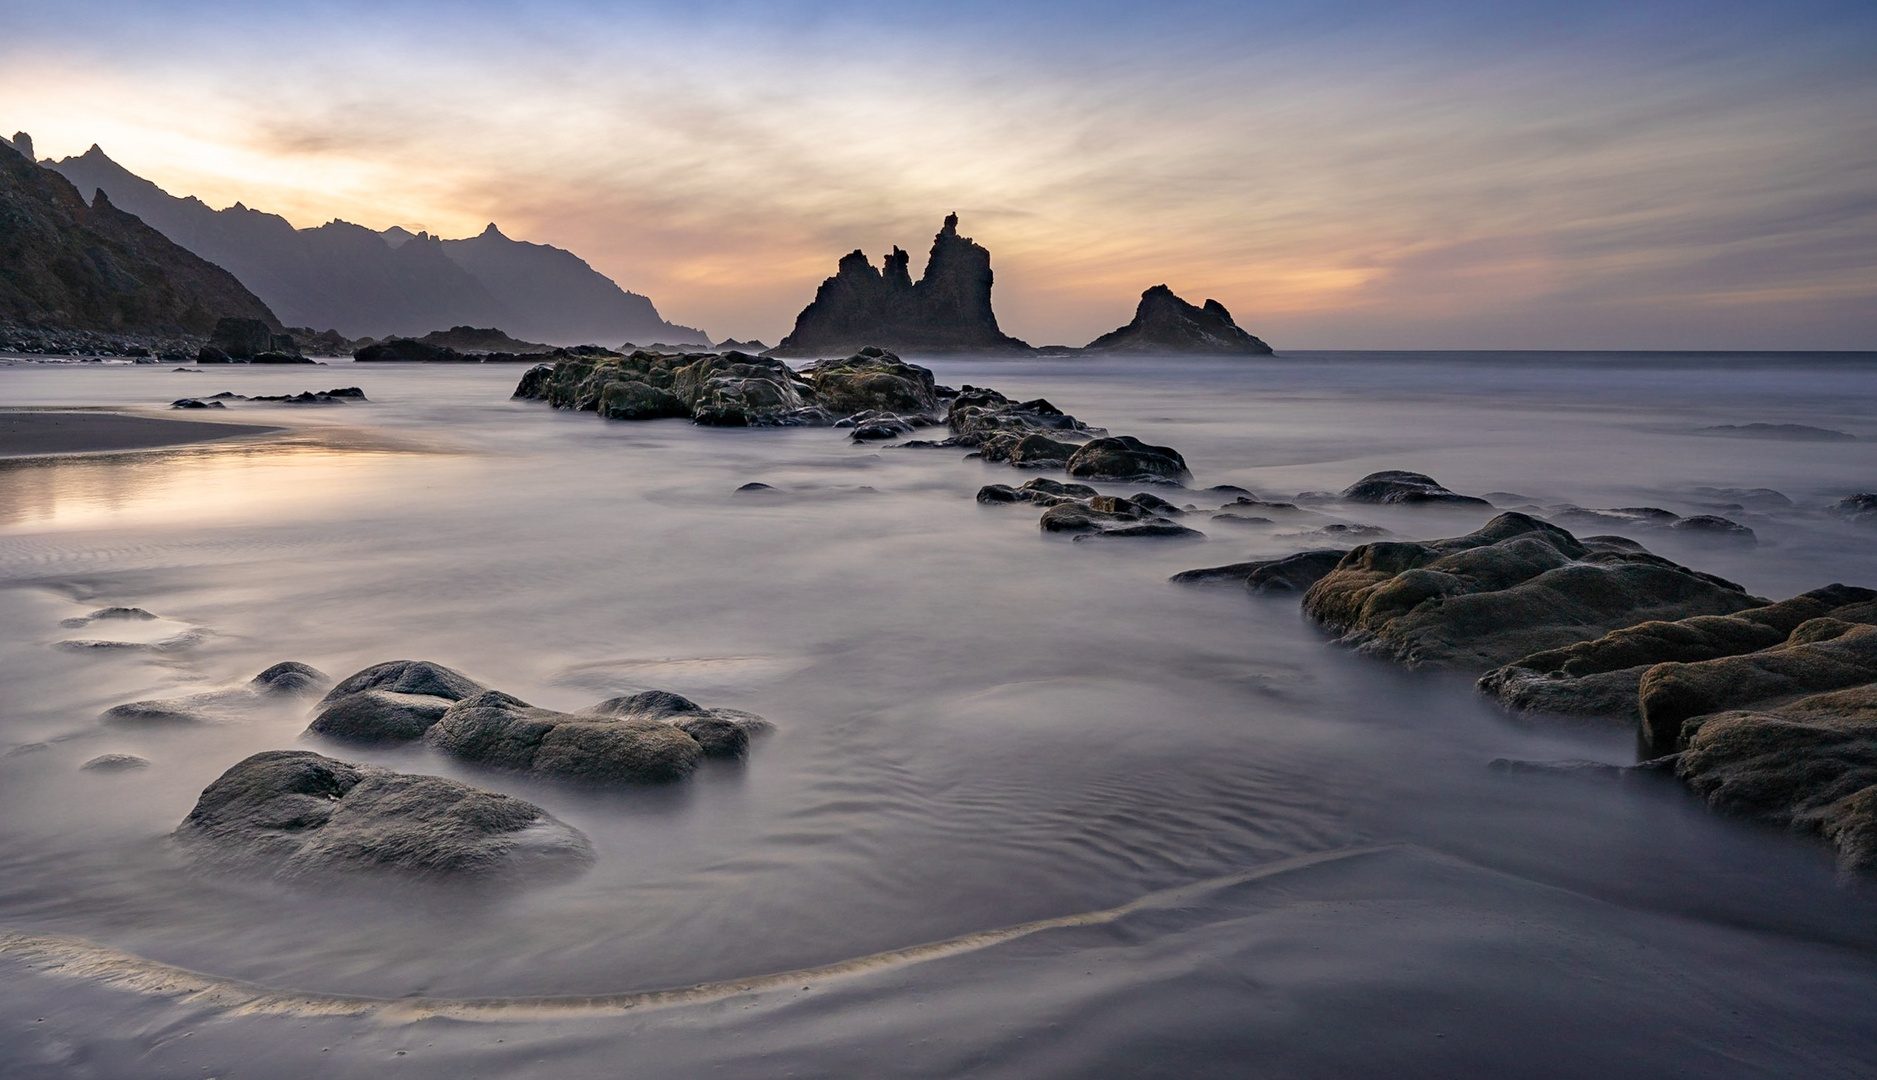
[979,726]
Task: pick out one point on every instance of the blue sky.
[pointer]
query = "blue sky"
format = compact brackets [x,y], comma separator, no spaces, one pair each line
[1436,175]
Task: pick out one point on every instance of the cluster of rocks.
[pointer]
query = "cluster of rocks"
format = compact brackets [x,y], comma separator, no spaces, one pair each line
[647,738]
[1085,514]
[336,396]
[1767,709]
[1861,508]
[249,341]
[296,814]
[146,348]
[426,351]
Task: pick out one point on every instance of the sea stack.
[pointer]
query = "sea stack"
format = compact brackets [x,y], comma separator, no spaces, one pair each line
[1164,323]
[947,310]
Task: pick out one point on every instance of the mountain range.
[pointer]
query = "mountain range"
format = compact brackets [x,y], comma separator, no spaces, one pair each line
[69,265]
[365,283]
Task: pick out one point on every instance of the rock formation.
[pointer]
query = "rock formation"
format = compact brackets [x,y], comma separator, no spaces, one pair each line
[947,310]
[1514,587]
[66,265]
[647,738]
[294,814]
[1164,323]
[362,282]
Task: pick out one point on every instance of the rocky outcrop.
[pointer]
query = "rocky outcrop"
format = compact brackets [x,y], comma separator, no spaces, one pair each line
[1514,587]
[470,339]
[947,310]
[1819,655]
[294,814]
[646,738]
[245,339]
[1395,487]
[1164,323]
[1809,764]
[1602,677]
[734,389]
[68,266]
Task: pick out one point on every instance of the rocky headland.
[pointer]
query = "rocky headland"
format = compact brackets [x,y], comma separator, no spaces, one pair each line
[67,266]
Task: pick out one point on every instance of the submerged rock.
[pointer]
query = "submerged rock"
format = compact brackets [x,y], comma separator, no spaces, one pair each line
[1514,587]
[297,814]
[1395,486]
[1290,574]
[1041,490]
[1111,517]
[1860,508]
[1603,676]
[286,679]
[115,763]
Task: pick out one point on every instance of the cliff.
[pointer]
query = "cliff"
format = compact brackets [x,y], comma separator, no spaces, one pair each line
[947,310]
[66,265]
[362,282]
[1164,323]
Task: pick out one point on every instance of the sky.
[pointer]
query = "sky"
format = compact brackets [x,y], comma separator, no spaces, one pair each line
[1440,175]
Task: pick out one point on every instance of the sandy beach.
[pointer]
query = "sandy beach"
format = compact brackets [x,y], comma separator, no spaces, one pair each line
[30,434]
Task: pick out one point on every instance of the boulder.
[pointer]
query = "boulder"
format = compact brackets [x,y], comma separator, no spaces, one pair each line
[1809,764]
[1514,587]
[1603,676]
[630,399]
[1040,490]
[407,350]
[294,814]
[1819,655]
[1034,451]
[1397,487]
[1861,508]
[115,763]
[287,679]
[1110,517]
[648,738]
[396,701]
[1164,323]
[246,339]
[1125,459]
[874,380]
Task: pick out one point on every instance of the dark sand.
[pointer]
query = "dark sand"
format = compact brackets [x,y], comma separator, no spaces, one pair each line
[24,434]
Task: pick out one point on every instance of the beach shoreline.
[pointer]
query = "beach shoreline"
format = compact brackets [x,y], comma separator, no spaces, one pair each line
[52,432]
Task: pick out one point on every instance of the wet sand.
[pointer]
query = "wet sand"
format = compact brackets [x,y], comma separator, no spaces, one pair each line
[29,434]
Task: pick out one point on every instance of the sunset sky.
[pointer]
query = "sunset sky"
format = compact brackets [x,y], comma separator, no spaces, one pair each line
[1339,174]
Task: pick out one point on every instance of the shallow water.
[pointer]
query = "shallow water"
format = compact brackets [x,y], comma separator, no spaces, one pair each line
[979,726]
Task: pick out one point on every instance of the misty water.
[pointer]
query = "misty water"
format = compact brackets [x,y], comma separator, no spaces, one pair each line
[978,726]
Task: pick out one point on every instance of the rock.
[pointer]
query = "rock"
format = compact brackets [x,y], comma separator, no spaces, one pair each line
[630,399]
[289,677]
[247,338]
[639,739]
[1125,459]
[981,417]
[1809,764]
[1164,323]
[1602,677]
[115,763]
[396,701]
[1745,498]
[1577,517]
[409,350]
[1860,508]
[1040,490]
[1819,655]
[1028,451]
[1292,573]
[1709,526]
[948,309]
[294,814]
[196,403]
[1164,530]
[1397,487]
[874,380]
[1514,587]
[1783,432]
